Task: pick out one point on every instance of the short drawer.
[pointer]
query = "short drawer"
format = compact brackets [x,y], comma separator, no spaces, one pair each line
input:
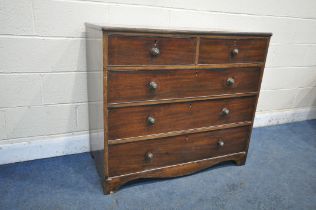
[151,50]
[153,119]
[148,154]
[125,86]
[217,51]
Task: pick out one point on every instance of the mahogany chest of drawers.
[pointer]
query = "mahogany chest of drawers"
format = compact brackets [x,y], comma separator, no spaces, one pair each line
[170,103]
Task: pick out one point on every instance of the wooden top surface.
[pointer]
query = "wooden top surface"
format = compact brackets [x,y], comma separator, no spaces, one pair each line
[166,30]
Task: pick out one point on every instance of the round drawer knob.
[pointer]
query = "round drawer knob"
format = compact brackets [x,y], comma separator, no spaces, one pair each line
[153,85]
[225,111]
[154,51]
[220,143]
[151,120]
[235,52]
[230,81]
[149,156]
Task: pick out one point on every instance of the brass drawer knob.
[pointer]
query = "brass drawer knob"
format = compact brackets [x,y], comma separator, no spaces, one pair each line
[220,143]
[153,85]
[149,156]
[225,111]
[235,52]
[230,81]
[154,51]
[151,120]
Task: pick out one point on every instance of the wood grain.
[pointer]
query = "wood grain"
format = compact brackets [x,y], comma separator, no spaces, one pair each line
[112,184]
[179,132]
[191,73]
[131,157]
[220,50]
[181,67]
[170,31]
[95,84]
[134,86]
[178,100]
[105,102]
[132,121]
[133,50]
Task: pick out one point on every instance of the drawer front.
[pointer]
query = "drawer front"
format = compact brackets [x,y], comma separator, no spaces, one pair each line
[163,84]
[148,154]
[146,50]
[154,119]
[218,51]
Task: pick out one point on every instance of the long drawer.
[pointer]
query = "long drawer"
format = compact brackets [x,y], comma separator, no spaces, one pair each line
[148,154]
[125,86]
[154,119]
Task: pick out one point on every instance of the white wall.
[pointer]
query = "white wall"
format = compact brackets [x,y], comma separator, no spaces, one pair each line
[42,57]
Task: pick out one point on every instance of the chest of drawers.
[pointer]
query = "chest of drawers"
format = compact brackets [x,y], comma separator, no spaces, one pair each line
[170,103]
